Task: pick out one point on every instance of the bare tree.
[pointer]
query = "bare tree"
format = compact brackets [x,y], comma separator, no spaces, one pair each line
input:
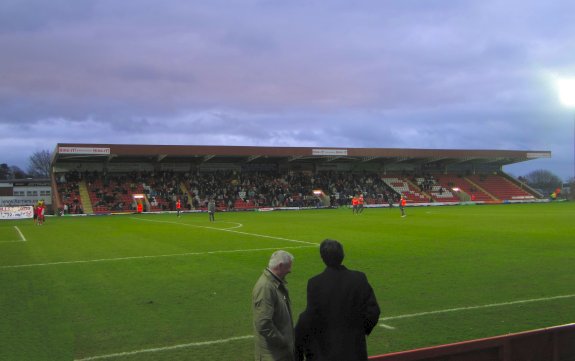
[11,172]
[40,164]
[17,173]
[4,171]
[543,180]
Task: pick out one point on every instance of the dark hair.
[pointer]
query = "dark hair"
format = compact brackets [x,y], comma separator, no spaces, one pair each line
[331,252]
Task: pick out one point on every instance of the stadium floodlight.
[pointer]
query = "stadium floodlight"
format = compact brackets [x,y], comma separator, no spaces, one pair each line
[566,88]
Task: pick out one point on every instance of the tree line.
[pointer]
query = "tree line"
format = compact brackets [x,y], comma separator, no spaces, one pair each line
[38,167]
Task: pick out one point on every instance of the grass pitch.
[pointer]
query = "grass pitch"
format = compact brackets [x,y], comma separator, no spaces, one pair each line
[158,287]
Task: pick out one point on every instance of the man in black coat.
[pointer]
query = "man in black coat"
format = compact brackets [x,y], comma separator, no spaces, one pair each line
[341,311]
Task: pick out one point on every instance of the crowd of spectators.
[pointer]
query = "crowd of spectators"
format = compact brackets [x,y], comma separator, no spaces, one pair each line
[294,189]
[67,184]
[425,182]
[234,189]
[229,189]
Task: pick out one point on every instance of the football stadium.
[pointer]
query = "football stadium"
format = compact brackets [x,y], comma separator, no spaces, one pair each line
[478,266]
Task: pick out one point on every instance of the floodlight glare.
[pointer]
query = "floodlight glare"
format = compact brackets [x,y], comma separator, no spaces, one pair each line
[566,87]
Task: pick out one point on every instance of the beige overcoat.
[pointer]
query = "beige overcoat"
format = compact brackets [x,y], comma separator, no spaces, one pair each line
[272,319]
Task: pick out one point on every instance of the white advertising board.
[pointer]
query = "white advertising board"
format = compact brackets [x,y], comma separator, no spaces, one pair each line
[16,212]
[334,152]
[83,150]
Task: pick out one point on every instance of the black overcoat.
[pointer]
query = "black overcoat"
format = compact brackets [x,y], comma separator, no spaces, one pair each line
[341,311]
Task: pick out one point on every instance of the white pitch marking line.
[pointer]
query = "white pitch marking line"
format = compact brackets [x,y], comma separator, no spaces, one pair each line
[239,225]
[386,326]
[476,307]
[205,343]
[144,257]
[226,230]
[21,235]
[22,238]
[168,348]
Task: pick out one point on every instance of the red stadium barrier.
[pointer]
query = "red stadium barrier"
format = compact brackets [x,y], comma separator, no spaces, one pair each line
[553,344]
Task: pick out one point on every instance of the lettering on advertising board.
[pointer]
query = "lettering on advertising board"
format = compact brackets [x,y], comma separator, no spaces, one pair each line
[16,212]
[335,152]
[19,201]
[83,150]
[539,155]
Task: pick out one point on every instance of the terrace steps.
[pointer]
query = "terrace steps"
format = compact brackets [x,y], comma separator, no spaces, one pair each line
[85,197]
[184,189]
[481,188]
[502,187]
[417,188]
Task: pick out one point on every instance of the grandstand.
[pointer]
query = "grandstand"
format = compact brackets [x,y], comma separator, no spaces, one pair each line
[105,178]
[154,267]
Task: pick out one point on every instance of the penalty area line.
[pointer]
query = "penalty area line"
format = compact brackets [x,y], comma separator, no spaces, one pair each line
[20,233]
[238,225]
[213,342]
[150,257]
[227,230]
[167,348]
[457,309]
[22,238]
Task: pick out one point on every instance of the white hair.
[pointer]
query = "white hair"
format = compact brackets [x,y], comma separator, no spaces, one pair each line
[280,257]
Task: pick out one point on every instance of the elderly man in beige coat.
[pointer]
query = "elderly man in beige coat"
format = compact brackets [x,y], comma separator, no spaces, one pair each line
[273,324]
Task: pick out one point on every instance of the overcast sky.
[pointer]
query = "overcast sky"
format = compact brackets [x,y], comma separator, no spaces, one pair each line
[332,73]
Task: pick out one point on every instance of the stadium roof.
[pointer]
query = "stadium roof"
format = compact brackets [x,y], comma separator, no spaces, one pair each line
[200,154]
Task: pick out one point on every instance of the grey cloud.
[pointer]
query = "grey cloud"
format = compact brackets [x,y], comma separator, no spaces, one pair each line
[37,15]
[150,74]
[438,73]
